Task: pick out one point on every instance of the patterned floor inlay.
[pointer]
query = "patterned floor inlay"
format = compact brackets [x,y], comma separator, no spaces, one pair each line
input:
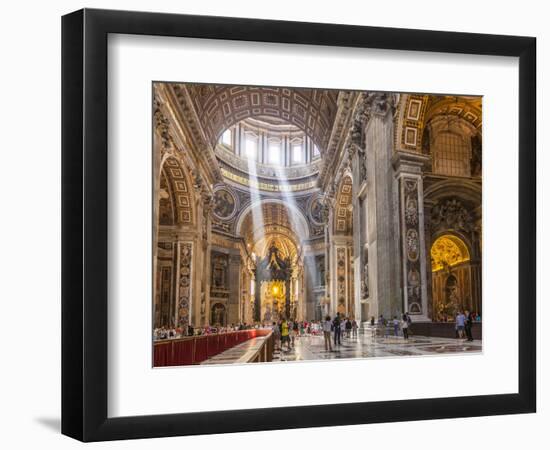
[311,348]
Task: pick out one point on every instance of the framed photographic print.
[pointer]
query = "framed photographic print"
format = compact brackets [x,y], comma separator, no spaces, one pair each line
[273,224]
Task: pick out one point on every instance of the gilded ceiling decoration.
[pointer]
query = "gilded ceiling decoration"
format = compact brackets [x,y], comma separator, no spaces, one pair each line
[180,189]
[219,107]
[416,110]
[343,220]
[448,251]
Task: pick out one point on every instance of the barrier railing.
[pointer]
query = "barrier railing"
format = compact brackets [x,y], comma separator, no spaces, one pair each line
[196,349]
[265,352]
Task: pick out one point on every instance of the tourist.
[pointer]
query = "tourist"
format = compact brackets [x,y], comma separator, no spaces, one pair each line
[405,326]
[409,323]
[395,326]
[295,331]
[460,322]
[468,325]
[276,335]
[285,334]
[336,324]
[354,328]
[372,327]
[348,328]
[327,326]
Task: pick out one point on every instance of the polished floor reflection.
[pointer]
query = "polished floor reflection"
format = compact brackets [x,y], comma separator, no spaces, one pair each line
[311,348]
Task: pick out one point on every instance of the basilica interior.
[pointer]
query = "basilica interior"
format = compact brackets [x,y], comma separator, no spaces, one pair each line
[276,202]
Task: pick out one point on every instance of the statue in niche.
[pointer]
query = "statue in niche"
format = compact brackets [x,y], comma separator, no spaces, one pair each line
[365,281]
[218,314]
[203,305]
[413,279]
[219,271]
[451,303]
[321,270]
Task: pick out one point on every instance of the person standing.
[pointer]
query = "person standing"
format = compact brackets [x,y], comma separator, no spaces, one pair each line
[348,328]
[295,331]
[354,328]
[285,335]
[276,335]
[468,325]
[405,326]
[409,322]
[327,325]
[395,326]
[381,325]
[460,322]
[336,323]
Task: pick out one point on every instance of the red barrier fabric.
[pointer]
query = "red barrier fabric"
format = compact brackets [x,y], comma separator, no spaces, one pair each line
[162,354]
[183,352]
[194,350]
[201,349]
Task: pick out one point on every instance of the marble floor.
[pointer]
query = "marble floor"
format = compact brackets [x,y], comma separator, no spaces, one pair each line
[311,348]
[366,346]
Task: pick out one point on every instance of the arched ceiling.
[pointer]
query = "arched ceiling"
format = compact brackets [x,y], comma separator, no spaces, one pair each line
[272,215]
[270,219]
[219,107]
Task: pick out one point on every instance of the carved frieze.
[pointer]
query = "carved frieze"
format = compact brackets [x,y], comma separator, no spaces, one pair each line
[450,214]
[412,246]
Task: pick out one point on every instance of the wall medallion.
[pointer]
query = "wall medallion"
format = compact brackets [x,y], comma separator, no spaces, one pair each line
[225,203]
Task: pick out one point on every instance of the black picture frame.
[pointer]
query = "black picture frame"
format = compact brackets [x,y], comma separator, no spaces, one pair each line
[84,224]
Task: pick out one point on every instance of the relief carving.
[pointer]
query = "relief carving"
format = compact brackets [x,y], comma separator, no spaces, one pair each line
[451,214]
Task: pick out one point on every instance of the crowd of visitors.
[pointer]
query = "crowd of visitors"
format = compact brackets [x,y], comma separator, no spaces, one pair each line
[179,332]
[332,329]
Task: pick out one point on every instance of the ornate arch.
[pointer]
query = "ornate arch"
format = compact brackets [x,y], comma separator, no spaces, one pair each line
[180,187]
[466,190]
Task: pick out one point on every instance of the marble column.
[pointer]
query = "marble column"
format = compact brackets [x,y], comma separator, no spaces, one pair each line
[408,167]
[382,215]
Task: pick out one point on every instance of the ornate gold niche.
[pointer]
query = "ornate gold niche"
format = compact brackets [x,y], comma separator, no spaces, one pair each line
[450,277]
[448,251]
[273,299]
